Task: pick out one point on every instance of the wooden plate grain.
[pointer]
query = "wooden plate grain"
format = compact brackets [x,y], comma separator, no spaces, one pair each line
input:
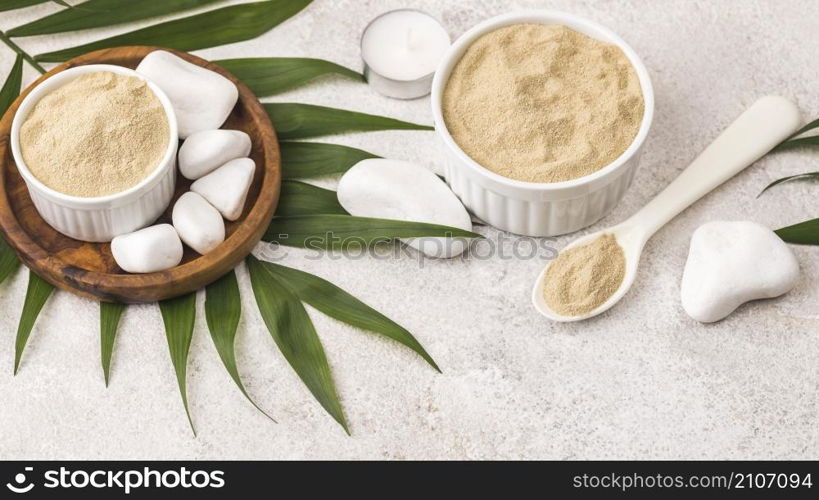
[88,269]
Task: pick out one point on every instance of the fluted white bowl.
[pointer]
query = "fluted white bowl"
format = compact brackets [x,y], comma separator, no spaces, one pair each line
[99,219]
[531,208]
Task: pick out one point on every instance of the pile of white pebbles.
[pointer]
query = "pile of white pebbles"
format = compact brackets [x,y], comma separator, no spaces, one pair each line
[215,159]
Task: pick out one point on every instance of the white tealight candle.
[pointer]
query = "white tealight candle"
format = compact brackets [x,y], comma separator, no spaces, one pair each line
[401,50]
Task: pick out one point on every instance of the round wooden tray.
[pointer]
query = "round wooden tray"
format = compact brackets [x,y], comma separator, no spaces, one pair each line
[88,269]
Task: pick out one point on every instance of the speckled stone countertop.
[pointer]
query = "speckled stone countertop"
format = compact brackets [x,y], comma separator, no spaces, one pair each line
[642,381]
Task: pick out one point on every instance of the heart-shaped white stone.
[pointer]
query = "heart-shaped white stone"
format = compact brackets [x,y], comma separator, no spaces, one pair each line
[148,250]
[205,151]
[226,187]
[401,190]
[199,224]
[202,99]
[730,263]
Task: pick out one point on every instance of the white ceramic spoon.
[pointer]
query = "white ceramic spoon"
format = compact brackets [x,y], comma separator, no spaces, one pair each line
[762,126]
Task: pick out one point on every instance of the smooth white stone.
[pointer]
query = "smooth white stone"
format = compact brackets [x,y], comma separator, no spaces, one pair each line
[148,250]
[226,187]
[205,151]
[401,190]
[201,98]
[730,263]
[199,224]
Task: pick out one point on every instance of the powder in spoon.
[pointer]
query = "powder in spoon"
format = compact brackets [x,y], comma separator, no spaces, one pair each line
[97,135]
[584,277]
[543,103]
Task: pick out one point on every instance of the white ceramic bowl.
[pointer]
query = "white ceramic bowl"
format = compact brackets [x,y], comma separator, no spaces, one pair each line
[530,208]
[101,218]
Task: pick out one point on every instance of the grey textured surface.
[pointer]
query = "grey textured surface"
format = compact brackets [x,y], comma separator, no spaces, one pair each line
[642,381]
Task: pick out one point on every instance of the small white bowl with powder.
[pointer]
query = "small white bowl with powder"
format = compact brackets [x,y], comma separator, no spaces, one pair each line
[126,195]
[559,194]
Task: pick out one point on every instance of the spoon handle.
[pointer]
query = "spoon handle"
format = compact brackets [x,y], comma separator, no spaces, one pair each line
[762,126]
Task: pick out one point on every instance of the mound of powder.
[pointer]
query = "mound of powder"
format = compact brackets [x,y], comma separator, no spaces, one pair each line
[97,135]
[583,278]
[543,103]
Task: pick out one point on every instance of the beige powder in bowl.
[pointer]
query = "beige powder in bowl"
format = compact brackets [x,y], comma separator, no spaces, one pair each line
[542,103]
[97,135]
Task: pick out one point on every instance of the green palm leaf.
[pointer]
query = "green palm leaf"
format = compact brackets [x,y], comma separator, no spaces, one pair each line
[18,4]
[790,142]
[295,335]
[804,233]
[807,127]
[20,52]
[338,304]
[98,13]
[231,24]
[300,198]
[790,178]
[37,293]
[110,313]
[223,308]
[11,87]
[9,91]
[300,121]
[267,76]
[812,140]
[8,261]
[313,159]
[329,231]
[179,315]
